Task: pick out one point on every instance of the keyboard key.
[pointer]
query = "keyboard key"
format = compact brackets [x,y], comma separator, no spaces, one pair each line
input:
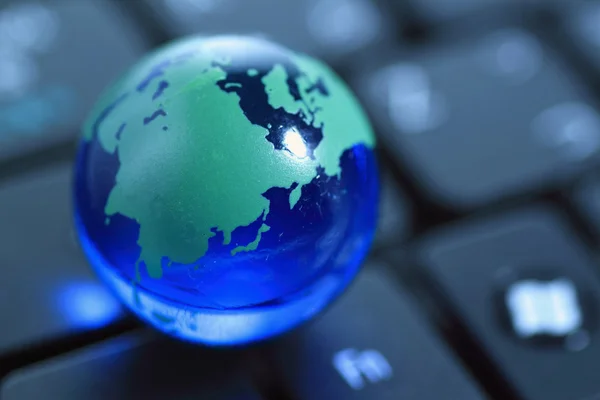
[132,367]
[527,289]
[47,291]
[326,28]
[394,214]
[372,344]
[485,119]
[55,58]
[582,25]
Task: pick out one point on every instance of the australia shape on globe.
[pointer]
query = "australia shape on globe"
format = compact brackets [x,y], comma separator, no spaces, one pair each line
[201,137]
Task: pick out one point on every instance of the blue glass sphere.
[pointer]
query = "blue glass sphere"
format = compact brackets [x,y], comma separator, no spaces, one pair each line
[226,188]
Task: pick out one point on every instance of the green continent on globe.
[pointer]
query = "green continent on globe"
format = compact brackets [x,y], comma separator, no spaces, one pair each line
[192,163]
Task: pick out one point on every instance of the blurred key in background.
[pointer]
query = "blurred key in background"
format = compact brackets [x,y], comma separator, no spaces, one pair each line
[372,344]
[331,29]
[525,286]
[55,58]
[485,118]
[47,289]
[139,365]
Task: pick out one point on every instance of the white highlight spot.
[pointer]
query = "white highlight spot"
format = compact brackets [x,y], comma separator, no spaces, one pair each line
[538,308]
[293,142]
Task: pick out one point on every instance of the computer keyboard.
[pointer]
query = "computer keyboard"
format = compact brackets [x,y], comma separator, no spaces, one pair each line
[484,278]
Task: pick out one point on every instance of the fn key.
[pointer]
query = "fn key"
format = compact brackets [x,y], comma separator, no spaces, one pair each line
[372,345]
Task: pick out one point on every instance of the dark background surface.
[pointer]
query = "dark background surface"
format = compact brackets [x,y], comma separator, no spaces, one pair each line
[488,118]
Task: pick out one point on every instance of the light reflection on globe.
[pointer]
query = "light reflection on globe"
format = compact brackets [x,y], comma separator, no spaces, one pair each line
[226,189]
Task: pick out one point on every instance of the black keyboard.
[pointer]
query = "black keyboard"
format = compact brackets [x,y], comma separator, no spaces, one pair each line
[484,279]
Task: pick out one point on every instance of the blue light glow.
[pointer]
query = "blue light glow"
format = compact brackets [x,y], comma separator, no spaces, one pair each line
[88,304]
[325,242]
[226,327]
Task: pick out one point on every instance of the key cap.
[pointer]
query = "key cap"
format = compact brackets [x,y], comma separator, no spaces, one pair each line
[394,214]
[47,291]
[526,288]
[326,28]
[55,58]
[486,119]
[372,344]
[135,366]
[582,26]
